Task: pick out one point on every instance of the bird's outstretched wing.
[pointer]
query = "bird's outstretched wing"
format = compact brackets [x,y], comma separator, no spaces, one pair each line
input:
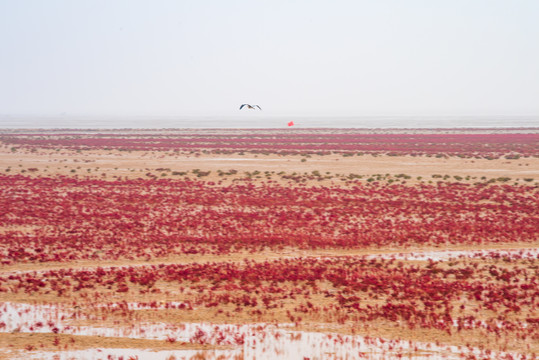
[258,107]
[243,105]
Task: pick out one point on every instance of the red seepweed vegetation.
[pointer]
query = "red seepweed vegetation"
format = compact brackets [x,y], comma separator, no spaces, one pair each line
[489,301]
[67,219]
[493,295]
[482,145]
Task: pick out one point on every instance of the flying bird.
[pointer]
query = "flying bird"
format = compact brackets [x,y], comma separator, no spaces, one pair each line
[250,106]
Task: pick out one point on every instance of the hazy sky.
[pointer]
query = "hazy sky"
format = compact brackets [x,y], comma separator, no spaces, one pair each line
[180,57]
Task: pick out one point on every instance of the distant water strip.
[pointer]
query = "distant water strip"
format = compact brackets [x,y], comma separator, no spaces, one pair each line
[264,122]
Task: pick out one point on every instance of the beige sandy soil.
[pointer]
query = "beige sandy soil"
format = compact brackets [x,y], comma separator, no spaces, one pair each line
[53,342]
[267,255]
[137,164]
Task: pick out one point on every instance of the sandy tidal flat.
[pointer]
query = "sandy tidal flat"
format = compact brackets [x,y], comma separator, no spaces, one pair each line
[239,285]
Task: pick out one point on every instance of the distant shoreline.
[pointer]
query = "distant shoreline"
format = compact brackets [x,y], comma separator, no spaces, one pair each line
[296,130]
[264,121]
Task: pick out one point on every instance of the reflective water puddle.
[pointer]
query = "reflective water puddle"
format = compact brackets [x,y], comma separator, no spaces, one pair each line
[247,341]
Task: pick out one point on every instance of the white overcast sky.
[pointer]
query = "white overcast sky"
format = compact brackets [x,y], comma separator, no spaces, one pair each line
[180,57]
